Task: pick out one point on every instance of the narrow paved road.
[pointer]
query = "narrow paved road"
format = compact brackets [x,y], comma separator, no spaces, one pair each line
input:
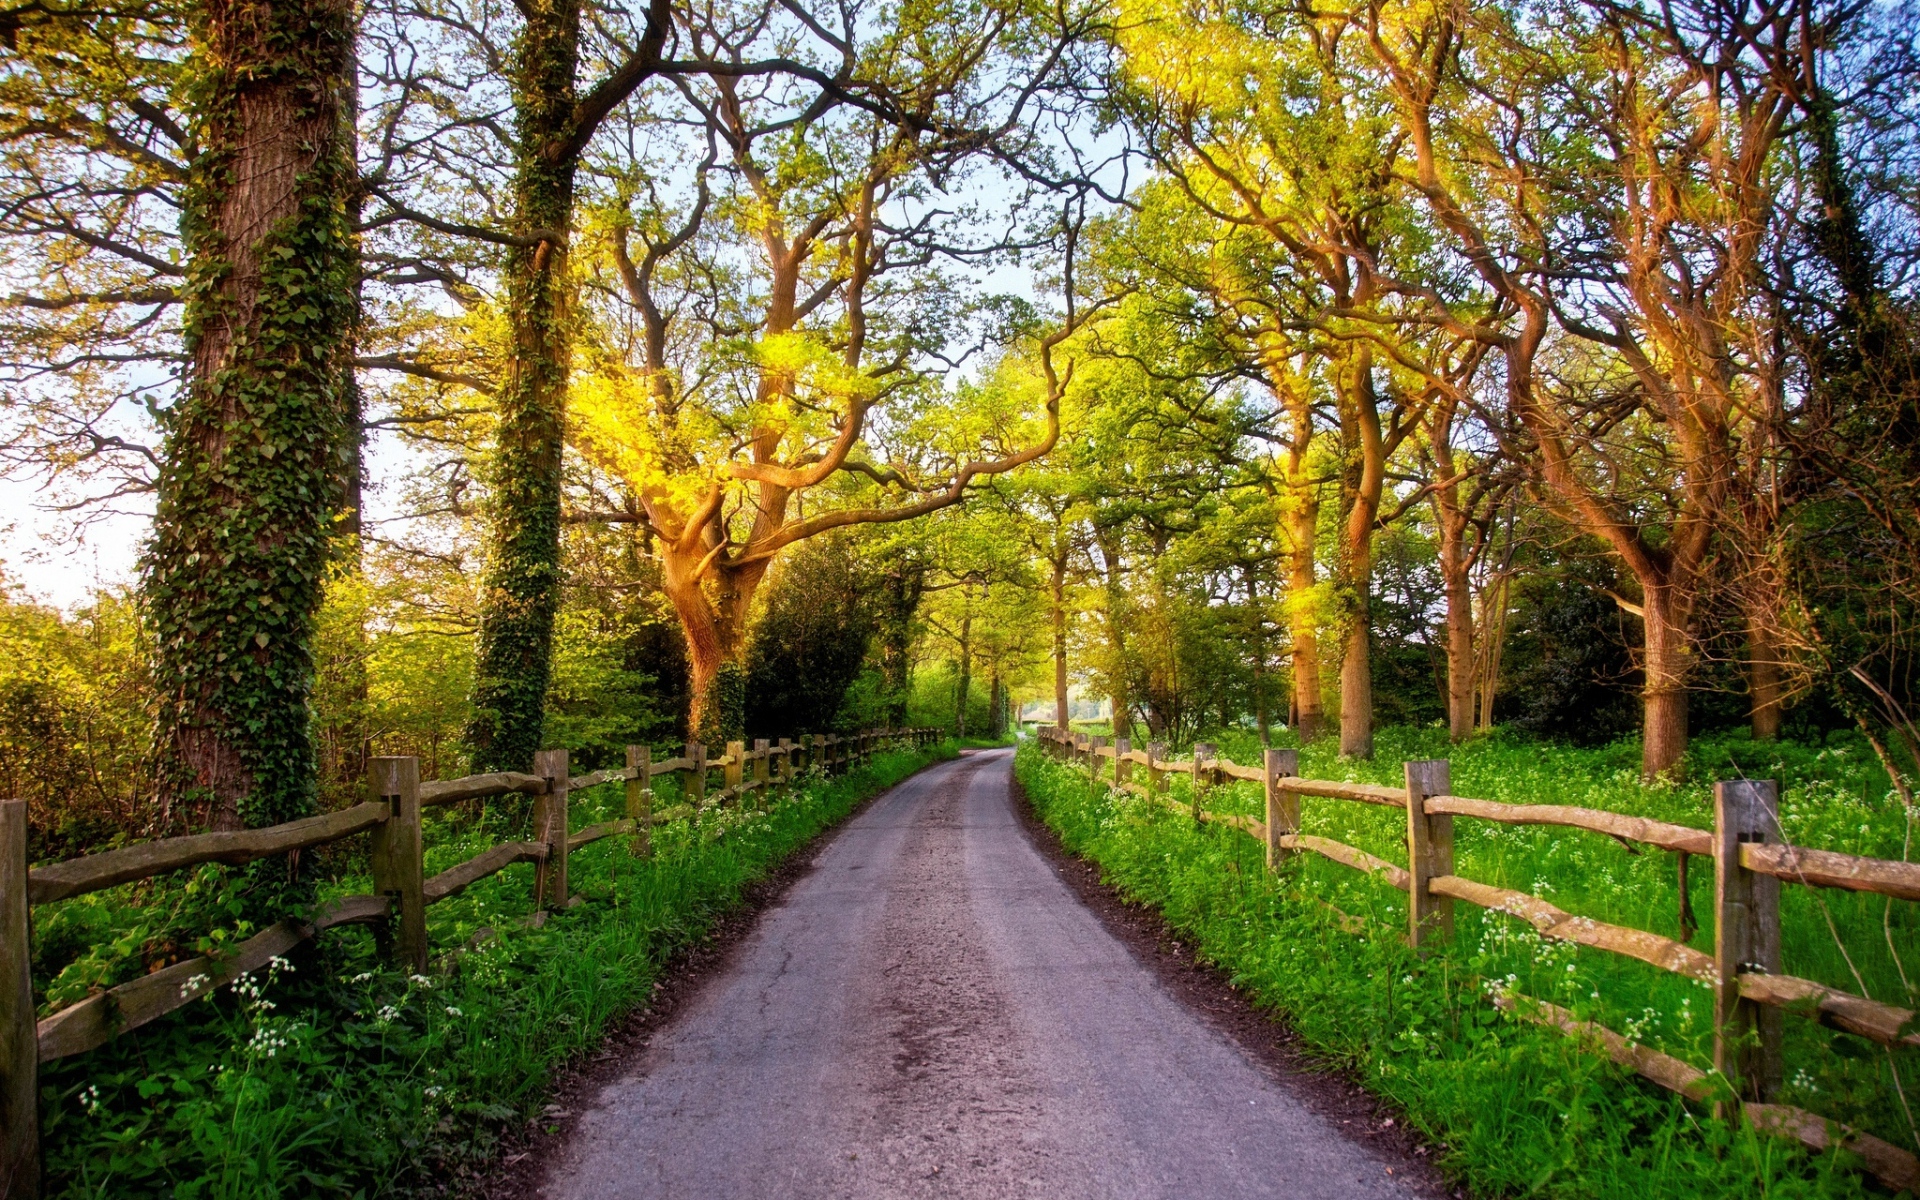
[931,1012]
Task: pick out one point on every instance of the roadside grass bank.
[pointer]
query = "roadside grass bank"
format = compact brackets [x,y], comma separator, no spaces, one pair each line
[1516,1109]
[331,1075]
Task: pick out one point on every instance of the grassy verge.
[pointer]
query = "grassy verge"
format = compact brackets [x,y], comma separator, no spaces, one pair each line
[330,1076]
[1519,1110]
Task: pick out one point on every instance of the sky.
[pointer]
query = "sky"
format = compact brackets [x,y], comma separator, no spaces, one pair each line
[48,561]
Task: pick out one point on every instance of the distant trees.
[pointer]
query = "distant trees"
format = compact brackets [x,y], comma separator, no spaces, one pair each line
[1456,249]
[773,325]
[1378,315]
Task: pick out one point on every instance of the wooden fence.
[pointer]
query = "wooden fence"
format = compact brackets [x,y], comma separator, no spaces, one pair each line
[396,906]
[1750,993]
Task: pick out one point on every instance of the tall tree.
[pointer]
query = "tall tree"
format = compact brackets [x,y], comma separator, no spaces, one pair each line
[255,445]
[1634,260]
[553,123]
[732,413]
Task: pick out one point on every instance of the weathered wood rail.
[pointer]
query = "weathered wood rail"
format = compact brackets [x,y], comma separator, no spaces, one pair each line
[397,906]
[1750,992]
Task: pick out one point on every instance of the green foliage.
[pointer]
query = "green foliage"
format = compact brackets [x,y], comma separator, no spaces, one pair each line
[74,722]
[1570,671]
[250,477]
[1517,1108]
[598,703]
[810,643]
[331,1076]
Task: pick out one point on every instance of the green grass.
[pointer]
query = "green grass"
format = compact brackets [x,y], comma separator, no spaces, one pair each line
[336,1077]
[1519,1109]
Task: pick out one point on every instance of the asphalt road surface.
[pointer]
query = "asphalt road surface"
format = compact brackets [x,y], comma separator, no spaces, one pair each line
[932,1012]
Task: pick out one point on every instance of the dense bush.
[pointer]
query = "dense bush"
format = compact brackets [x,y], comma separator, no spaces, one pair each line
[812,640]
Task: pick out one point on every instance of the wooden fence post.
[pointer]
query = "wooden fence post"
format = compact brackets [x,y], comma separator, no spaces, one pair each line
[1094,745]
[693,786]
[1156,754]
[1203,753]
[398,868]
[1746,937]
[550,820]
[19,1036]
[819,759]
[1122,766]
[786,764]
[1283,807]
[732,774]
[640,799]
[762,771]
[1429,851]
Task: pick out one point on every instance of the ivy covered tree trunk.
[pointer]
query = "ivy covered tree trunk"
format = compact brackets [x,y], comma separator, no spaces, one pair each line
[255,446]
[521,586]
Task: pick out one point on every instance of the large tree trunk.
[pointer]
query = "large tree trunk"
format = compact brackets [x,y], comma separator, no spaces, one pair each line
[1490,645]
[1362,416]
[1766,694]
[1116,602]
[1299,534]
[713,609]
[1303,616]
[1455,575]
[963,691]
[1356,687]
[1666,663]
[250,479]
[521,582]
[1057,597]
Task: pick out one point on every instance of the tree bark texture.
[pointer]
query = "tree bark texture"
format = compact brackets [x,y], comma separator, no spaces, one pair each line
[1368,469]
[1456,577]
[1116,605]
[962,691]
[1299,533]
[1057,599]
[713,607]
[1666,665]
[520,591]
[1766,692]
[255,448]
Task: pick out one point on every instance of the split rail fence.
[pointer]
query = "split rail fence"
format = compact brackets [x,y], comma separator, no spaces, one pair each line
[396,907]
[1751,995]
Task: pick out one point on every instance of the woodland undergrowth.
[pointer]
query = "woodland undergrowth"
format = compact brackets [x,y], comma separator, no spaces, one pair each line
[1515,1109]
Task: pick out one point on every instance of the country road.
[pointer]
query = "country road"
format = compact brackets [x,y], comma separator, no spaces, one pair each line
[931,1011]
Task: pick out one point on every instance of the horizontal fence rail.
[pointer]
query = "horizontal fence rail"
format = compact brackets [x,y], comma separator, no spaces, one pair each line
[397,906]
[1750,863]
